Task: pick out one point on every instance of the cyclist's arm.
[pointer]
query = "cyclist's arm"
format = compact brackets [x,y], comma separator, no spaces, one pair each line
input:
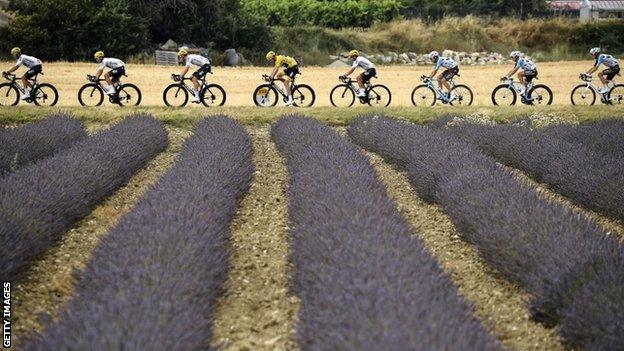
[99,73]
[184,71]
[433,73]
[13,69]
[511,73]
[592,70]
[349,72]
[274,72]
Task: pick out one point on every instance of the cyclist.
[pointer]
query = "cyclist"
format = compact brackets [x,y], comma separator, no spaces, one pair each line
[291,69]
[452,69]
[528,70]
[34,66]
[613,68]
[204,68]
[118,69]
[366,65]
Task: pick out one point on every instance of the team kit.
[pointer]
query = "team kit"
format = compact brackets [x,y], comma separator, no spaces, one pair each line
[438,85]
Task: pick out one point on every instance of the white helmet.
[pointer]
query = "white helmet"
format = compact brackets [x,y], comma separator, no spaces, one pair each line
[434,54]
[515,54]
[594,51]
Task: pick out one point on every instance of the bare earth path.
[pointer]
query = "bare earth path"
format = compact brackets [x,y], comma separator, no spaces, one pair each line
[257,312]
[49,282]
[497,302]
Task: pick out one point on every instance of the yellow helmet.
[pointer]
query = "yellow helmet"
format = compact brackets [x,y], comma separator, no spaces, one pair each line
[270,55]
[99,54]
[182,52]
[354,53]
[16,51]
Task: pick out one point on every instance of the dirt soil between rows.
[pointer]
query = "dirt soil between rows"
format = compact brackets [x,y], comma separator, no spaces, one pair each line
[257,312]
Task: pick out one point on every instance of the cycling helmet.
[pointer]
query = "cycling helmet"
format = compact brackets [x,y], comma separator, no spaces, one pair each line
[16,51]
[183,52]
[434,55]
[515,54]
[99,54]
[270,55]
[594,51]
[354,53]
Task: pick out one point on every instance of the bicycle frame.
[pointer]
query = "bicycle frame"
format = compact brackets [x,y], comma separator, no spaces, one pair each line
[189,88]
[517,86]
[13,79]
[441,95]
[351,85]
[293,86]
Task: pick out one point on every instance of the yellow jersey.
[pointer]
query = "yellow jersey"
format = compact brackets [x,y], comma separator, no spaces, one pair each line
[285,61]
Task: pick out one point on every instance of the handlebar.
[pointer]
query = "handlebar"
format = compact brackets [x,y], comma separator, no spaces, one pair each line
[9,76]
[267,78]
[585,77]
[425,79]
[345,79]
[94,79]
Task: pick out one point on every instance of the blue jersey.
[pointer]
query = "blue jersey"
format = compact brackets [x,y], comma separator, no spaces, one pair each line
[607,60]
[445,62]
[526,64]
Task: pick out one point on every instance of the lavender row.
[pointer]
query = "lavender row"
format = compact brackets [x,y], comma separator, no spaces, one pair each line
[605,136]
[153,282]
[364,281]
[590,178]
[571,268]
[42,201]
[32,142]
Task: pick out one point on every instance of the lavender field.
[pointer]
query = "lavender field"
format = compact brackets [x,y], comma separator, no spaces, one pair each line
[142,232]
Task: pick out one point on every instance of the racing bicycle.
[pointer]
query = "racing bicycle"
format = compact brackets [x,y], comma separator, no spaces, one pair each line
[585,94]
[266,95]
[343,95]
[507,93]
[429,93]
[92,94]
[177,94]
[43,94]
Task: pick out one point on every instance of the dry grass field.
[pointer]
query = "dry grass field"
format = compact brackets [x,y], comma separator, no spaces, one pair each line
[240,83]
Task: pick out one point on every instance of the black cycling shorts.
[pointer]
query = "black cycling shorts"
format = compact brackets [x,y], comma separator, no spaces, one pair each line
[116,73]
[202,71]
[291,72]
[33,71]
[450,73]
[529,75]
[611,72]
[369,74]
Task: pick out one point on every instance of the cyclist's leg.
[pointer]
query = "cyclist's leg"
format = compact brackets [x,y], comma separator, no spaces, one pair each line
[522,79]
[442,82]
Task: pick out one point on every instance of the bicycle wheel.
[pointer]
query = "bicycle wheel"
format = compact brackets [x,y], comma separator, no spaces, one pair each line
[265,96]
[616,95]
[45,95]
[583,95]
[213,95]
[342,96]
[90,95]
[9,95]
[504,96]
[541,95]
[463,95]
[129,95]
[303,96]
[379,95]
[175,95]
[422,95]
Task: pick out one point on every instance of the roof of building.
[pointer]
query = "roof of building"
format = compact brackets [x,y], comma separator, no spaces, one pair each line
[605,5]
[565,5]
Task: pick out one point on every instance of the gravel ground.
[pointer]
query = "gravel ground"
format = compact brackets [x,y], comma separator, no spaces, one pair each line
[49,283]
[257,312]
[500,304]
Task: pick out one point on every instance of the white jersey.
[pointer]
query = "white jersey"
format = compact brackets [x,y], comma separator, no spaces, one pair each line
[363,62]
[445,62]
[111,63]
[197,60]
[526,64]
[607,60]
[28,61]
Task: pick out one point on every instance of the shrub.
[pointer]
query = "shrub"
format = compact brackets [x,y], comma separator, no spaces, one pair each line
[590,178]
[163,266]
[605,136]
[42,201]
[365,282]
[35,141]
[560,258]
